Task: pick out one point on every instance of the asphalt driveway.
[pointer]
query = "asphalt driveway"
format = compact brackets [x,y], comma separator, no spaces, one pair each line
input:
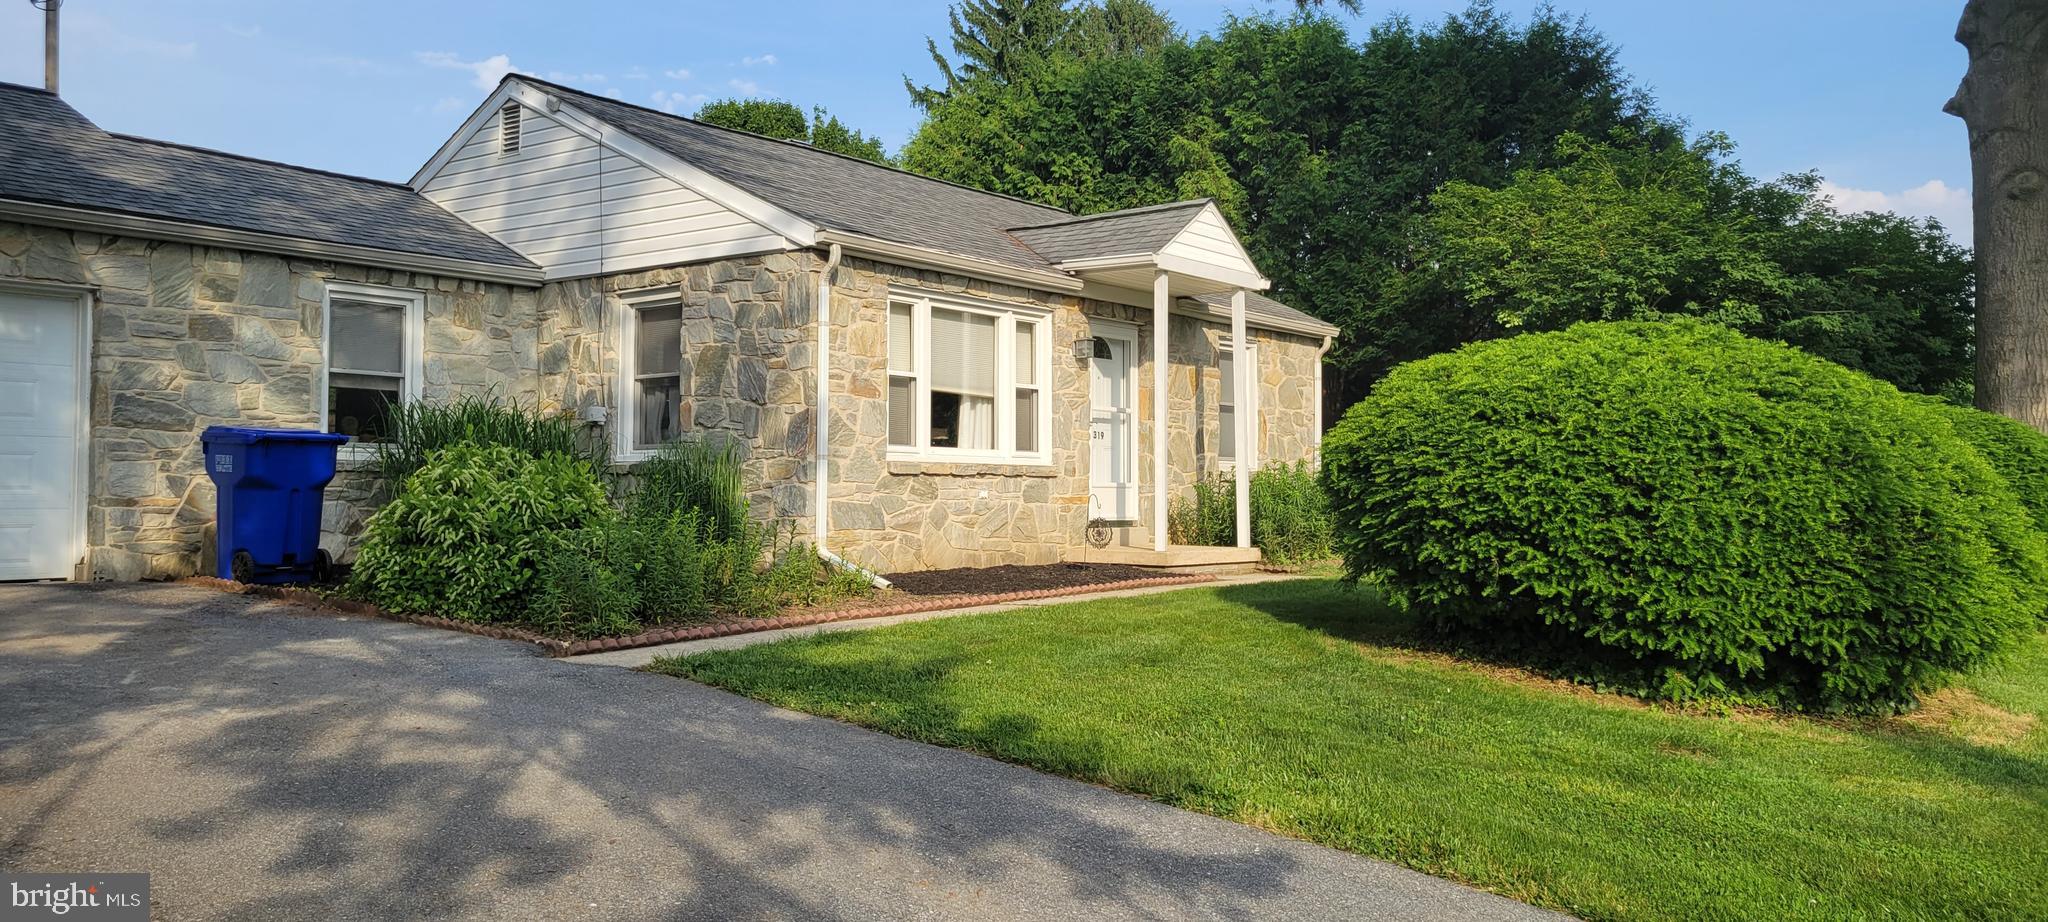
[264,763]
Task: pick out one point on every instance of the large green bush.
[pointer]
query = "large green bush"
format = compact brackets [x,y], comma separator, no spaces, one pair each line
[2013,449]
[1686,511]
[466,532]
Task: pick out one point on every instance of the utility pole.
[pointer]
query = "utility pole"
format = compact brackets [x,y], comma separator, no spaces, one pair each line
[49,8]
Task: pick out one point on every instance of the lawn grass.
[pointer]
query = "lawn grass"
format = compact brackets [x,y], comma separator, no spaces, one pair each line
[1305,708]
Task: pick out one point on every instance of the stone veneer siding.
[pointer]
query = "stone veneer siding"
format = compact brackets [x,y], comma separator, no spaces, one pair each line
[747,367]
[185,337]
[188,336]
[904,515]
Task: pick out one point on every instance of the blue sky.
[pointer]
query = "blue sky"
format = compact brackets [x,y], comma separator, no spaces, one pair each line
[1852,88]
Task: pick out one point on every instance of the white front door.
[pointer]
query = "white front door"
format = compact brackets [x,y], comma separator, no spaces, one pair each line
[39,407]
[1112,433]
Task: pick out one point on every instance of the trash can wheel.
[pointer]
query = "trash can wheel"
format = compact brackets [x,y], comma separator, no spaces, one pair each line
[323,566]
[243,567]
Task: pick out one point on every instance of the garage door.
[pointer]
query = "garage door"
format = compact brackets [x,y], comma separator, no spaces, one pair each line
[39,407]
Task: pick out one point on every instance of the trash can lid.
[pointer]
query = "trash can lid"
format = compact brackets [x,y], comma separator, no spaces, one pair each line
[240,435]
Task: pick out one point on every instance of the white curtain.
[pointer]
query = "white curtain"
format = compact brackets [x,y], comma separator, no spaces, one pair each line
[977,422]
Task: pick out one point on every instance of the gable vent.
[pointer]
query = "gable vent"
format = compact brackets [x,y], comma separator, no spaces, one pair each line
[508,129]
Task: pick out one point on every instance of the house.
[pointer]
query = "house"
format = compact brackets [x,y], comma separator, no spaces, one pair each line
[990,365]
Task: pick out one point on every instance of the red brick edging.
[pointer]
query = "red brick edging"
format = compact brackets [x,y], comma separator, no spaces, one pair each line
[554,647]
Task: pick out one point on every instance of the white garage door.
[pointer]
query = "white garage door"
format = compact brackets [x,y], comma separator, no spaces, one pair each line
[39,409]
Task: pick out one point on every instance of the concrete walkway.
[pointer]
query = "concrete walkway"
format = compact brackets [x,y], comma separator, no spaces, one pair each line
[641,656]
[265,763]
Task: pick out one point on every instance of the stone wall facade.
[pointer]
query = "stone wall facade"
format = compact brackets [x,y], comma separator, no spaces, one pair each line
[748,372]
[894,515]
[185,337]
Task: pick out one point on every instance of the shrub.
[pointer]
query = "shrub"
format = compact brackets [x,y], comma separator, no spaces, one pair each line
[1688,512]
[419,428]
[2013,449]
[700,476]
[1290,516]
[580,589]
[1205,516]
[465,533]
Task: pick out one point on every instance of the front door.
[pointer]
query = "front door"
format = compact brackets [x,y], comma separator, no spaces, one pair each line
[1112,432]
[39,385]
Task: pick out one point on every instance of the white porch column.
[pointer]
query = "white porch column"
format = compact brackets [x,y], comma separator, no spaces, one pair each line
[1162,301]
[1244,378]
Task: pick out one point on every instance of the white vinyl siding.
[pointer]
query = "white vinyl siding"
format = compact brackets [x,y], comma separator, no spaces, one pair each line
[1207,239]
[578,209]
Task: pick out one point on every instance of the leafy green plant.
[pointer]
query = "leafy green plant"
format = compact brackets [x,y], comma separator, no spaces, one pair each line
[581,589]
[1686,512]
[701,476]
[1205,516]
[1290,515]
[418,428]
[465,533]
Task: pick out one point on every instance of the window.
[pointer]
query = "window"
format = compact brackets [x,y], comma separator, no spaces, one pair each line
[1226,409]
[654,397]
[373,357]
[1226,399]
[967,381]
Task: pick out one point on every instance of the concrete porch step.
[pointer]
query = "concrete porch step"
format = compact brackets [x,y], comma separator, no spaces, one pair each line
[1177,558]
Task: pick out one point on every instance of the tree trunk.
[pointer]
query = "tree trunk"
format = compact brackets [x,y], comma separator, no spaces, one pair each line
[2004,102]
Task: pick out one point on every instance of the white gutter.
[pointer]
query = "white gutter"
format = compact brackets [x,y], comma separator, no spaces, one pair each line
[821,436]
[206,235]
[923,258]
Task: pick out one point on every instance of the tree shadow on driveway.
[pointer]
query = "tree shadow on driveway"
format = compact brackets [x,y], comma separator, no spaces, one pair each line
[262,762]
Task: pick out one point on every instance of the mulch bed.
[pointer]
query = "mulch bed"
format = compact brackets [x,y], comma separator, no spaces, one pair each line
[893,603]
[1014,578]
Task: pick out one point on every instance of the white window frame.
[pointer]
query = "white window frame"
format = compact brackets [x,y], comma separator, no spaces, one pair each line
[624,399]
[412,385]
[1007,315]
[1251,361]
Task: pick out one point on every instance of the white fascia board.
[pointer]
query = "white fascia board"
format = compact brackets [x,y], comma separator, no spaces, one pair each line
[1189,307]
[926,258]
[1175,264]
[207,235]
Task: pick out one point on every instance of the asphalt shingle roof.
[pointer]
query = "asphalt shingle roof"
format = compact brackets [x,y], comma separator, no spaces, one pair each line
[857,196]
[50,154]
[1258,307]
[835,191]
[1130,232]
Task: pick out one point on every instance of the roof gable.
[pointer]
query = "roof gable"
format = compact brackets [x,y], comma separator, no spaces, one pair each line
[57,157]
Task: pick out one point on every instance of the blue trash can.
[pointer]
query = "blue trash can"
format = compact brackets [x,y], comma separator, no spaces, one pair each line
[268,485]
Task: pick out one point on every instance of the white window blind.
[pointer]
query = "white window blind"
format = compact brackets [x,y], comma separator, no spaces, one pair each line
[902,339]
[964,353]
[367,337]
[659,341]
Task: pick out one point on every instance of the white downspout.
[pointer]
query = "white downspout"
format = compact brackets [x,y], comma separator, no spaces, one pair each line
[822,427]
[1244,381]
[1315,451]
